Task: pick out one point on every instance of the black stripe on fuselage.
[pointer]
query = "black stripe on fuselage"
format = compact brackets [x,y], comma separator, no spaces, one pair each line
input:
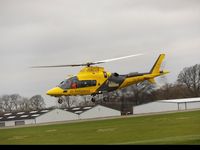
[112,83]
[130,75]
[115,81]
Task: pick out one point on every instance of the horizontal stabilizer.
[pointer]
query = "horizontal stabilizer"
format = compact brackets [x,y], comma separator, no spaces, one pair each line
[152,81]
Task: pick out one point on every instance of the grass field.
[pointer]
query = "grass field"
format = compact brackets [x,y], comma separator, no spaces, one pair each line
[173,128]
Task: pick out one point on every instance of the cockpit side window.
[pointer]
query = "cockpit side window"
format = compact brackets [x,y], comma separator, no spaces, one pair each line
[67,84]
[74,85]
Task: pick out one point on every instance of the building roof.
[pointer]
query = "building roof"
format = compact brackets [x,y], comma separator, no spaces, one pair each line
[35,113]
[185,100]
[78,110]
[23,115]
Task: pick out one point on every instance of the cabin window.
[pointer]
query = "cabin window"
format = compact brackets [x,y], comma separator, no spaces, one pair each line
[69,83]
[87,83]
[73,83]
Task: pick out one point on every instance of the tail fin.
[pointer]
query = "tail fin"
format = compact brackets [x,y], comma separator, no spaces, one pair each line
[155,71]
[156,66]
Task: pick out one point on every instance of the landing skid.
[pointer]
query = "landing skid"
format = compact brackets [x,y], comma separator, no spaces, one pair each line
[93,98]
[60,100]
[105,99]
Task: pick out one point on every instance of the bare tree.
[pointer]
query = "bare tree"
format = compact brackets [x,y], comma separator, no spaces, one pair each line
[9,103]
[24,104]
[68,101]
[37,102]
[190,77]
[15,102]
[141,91]
[6,103]
[85,101]
[14,99]
[1,105]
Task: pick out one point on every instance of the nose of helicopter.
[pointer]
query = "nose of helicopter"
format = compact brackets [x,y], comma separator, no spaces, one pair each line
[55,91]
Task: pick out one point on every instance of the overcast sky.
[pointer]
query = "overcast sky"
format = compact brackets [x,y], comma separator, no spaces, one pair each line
[49,32]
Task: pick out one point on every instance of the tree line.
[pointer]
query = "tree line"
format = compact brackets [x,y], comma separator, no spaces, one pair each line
[187,85]
[15,102]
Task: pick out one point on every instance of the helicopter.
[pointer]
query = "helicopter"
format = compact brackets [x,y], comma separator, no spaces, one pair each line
[93,80]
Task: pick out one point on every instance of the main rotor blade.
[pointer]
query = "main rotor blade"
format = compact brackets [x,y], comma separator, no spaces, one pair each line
[74,65]
[118,58]
[88,63]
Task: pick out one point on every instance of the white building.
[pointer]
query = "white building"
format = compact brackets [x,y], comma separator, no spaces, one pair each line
[99,112]
[167,105]
[56,115]
[33,117]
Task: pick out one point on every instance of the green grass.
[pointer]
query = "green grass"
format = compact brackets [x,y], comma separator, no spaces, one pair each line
[173,128]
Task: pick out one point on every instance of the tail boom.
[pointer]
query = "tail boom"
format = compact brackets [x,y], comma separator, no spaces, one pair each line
[154,72]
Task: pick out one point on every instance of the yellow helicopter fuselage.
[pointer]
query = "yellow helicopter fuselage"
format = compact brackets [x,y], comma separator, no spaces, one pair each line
[92,80]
